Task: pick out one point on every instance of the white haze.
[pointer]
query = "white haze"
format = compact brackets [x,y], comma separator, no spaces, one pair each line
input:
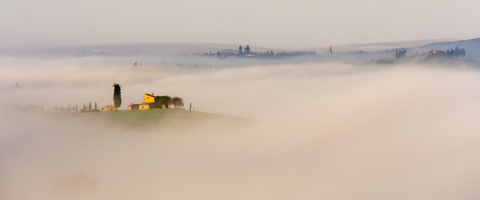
[320,131]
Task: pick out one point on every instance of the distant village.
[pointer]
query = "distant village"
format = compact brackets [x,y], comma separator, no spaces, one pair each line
[400,54]
[432,54]
[246,52]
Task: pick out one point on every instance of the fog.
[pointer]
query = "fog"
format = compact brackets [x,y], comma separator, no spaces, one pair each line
[319,130]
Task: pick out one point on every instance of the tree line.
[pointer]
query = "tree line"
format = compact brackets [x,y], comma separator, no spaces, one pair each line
[168,102]
[457,52]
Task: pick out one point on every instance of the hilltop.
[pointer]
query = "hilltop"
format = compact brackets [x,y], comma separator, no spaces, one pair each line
[158,119]
[471,43]
[472,47]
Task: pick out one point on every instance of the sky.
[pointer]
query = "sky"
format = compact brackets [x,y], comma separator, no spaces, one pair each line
[281,23]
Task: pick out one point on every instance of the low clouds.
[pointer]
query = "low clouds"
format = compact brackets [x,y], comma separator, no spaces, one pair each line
[319,131]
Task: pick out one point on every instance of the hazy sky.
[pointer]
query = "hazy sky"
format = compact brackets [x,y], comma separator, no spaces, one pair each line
[281,23]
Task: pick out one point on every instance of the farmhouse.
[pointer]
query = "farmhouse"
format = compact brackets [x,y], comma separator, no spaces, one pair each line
[108,108]
[150,101]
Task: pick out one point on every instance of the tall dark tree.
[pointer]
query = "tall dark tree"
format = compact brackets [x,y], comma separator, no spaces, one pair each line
[117,98]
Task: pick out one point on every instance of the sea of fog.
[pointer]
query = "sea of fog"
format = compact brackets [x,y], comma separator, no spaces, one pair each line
[319,131]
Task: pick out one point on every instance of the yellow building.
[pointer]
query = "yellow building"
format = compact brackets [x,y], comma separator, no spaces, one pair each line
[149,102]
[144,106]
[108,108]
[133,106]
[148,98]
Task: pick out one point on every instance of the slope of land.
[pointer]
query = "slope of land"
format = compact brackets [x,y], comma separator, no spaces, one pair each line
[146,119]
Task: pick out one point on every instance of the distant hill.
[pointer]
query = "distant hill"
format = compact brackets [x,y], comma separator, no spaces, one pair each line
[471,43]
[472,47]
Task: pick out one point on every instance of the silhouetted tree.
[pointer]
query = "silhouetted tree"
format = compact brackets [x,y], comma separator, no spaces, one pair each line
[161,101]
[117,98]
[247,49]
[240,50]
[177,102]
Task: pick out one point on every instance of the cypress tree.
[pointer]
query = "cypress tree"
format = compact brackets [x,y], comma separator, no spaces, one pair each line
[117,98]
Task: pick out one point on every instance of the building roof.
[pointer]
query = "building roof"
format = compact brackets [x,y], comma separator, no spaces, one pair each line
[151,94]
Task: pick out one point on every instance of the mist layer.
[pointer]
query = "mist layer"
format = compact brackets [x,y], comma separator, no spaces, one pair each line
[318,131]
